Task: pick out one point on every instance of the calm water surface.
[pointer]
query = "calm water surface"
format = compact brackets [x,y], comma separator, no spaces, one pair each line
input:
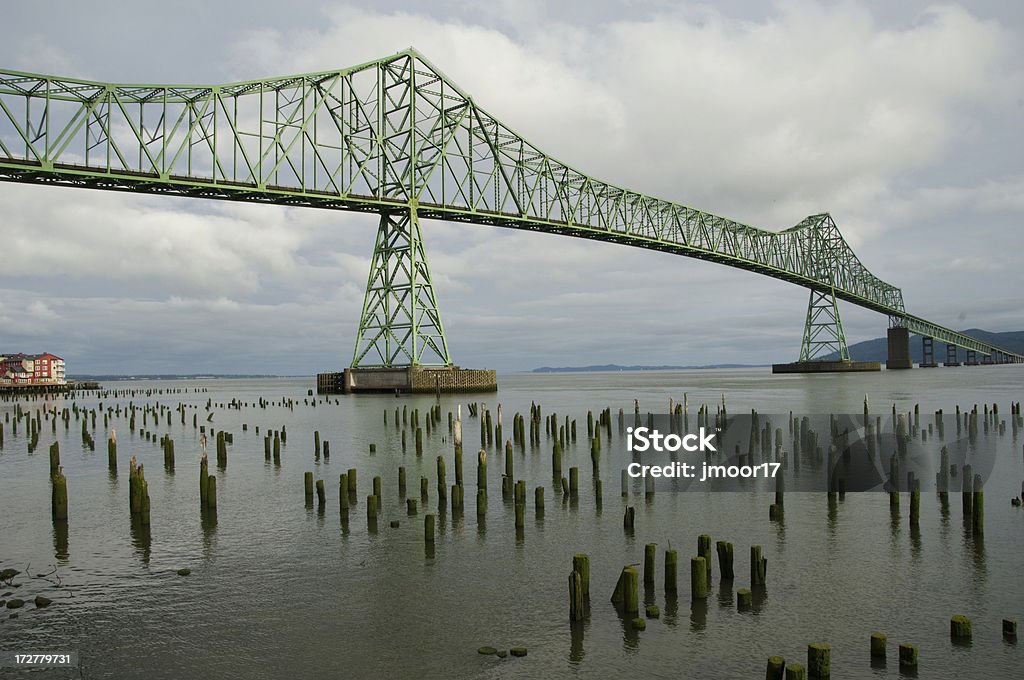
[279,590]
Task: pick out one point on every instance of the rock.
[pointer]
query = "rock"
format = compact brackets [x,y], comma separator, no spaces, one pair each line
[502,653]
[43,601]
[517,651]
[487,650]
[185,571]
[8,574]
[15,603]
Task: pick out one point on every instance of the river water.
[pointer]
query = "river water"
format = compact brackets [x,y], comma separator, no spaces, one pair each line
[278,589]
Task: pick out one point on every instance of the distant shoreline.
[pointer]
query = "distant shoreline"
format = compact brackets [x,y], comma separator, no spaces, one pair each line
[615,368]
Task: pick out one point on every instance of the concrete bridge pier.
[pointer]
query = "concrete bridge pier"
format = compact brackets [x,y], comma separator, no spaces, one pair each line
[899,349]
[927,352]
[952,359]
[972,358]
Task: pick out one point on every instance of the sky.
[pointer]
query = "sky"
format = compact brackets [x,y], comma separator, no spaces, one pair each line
[902,120]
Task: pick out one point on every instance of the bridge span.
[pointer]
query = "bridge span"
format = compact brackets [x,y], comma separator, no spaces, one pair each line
[398,138]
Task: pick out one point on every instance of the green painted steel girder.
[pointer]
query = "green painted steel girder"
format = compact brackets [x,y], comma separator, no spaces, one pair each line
[390,134]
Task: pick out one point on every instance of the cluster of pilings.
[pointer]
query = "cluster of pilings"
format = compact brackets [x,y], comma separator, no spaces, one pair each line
[766,443]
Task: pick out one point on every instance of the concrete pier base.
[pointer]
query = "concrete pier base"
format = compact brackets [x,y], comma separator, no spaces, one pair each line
[407,379]
[899,349]
[827,367]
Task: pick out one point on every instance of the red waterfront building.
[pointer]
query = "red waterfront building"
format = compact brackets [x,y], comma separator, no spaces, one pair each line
[32,369]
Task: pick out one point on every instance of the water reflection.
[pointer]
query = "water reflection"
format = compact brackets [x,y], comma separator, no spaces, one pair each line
[698,614]
[141,539]
[60,539]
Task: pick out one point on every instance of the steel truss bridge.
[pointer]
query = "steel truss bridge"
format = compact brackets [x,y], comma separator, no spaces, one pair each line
[396,137]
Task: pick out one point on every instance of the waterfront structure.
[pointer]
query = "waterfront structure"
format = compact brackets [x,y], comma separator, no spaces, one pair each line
[31,369]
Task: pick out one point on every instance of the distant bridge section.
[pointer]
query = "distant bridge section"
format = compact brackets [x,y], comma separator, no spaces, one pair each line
[396,137]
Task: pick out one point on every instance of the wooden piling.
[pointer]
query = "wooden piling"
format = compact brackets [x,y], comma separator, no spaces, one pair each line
[960,628]
[795,671]
[819,660]
[428,527]
[628,518]
[54,459]
[481,470]
[776,668]
[671,571]
[908,655]
[577,606]
[725,553]
[308,485]
[978,506]
[650,557]
[704,550]
[343,490]
[211,493]
[581,565]
[627,590]
[59,496]
[744,599]
[758,567]
[321,497]
[878,641]
[698,578]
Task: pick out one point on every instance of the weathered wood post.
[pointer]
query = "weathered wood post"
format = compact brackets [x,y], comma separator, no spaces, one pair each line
[627,590]
[878,641]
[577,605]
[819,660]
[59,496]
[54,459]
[671,571]
[978,515]
[758,568]
[481,470]
[428,528]
[112,451]
[343,491]
[908,655]
[308,484]
[704,550]
[321,497]
[960,628]
[650,557]
[211,492]
[698,578]
[725,552]
[776,668]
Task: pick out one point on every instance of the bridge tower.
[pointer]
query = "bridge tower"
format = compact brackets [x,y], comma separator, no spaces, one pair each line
[400,324]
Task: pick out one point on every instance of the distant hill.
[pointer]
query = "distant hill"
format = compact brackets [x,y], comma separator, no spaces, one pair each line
[615,367]
[878,349]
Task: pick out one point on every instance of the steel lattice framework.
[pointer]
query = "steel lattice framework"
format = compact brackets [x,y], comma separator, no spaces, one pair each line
[389,136]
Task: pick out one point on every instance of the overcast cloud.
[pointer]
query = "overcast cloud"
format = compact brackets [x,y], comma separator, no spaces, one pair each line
[901,119]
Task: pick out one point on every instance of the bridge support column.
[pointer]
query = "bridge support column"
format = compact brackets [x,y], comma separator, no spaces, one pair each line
[899,348]
[927,352]
[823,335]
[823,331]
[951,355]
[972,358]
[400,324]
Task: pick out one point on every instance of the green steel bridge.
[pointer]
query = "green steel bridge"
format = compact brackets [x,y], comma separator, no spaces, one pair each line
[396,137]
